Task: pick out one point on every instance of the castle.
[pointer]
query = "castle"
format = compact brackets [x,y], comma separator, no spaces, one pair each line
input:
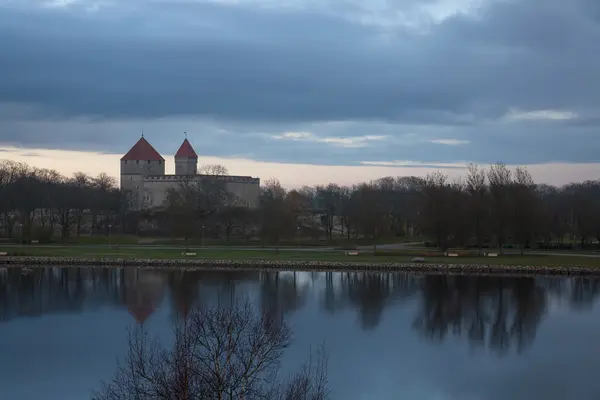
[143,176]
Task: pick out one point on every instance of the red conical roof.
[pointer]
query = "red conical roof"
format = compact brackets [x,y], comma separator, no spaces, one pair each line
[141,312]
[142,150]
[186,150]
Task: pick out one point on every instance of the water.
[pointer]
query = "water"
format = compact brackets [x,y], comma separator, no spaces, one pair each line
[389,336]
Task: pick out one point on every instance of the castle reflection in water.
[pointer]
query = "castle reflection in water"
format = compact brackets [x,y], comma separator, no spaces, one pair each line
[61,290]
[502,313]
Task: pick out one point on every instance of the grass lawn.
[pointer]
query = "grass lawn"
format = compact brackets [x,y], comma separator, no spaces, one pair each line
[381,256]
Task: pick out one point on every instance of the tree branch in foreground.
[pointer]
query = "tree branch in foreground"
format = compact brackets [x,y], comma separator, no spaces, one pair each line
[223,352]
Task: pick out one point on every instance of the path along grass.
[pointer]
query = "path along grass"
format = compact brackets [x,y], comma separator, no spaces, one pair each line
[270,254]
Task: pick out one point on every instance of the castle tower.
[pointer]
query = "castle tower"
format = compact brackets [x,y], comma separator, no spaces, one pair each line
[140,161]
[186,160]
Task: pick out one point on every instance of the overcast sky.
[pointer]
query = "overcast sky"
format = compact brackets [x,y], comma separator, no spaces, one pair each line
[333,82]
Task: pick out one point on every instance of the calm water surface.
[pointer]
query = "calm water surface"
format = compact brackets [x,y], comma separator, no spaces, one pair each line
[389,336]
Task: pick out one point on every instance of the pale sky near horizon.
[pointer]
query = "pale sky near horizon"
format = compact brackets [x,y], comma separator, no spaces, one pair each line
[306,91]
[290,175]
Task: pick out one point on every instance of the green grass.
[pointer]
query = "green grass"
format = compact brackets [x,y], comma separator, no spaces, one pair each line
[399,257]
[100,239]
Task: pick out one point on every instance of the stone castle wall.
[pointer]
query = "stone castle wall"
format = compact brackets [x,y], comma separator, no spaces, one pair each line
[246,189]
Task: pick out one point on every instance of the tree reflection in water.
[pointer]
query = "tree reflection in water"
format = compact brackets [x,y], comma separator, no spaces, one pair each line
[497,312]
[502,313]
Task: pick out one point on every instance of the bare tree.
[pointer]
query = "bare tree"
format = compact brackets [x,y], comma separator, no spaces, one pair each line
[276,215]
[584,199]
[222,352]
[66,204]
[346,210]
[233,216]
[459,222]
[83,185]
[500,180]
[104,187]
[213,169]
[370,212]
[190,203]
[525,207]
[436,212]
[308,221]
[329,198]
[477,188]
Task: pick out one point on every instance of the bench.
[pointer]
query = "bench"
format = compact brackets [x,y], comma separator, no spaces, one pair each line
[352,253]
[418,259]
[188,254]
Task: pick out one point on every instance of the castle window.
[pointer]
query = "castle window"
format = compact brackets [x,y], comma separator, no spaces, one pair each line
[125,161]
[159,162]
[137,161]
[148,161]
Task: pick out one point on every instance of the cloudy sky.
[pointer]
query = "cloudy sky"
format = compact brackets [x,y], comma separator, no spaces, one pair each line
[300,89]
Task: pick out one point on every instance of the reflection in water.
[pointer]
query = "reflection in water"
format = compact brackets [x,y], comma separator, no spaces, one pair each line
[56,290]
[398,327]
[497,312]
[144,292]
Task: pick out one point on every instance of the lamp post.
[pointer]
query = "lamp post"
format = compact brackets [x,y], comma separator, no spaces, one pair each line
[21,233]
[298,237]
[202,243]
[109,244]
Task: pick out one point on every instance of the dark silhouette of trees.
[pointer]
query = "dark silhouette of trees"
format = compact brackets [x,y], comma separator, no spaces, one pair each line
[36,204]
[436,209]
[495,207]
[231,352]
[276,215]
[477,203]
[525,207]
[499,177]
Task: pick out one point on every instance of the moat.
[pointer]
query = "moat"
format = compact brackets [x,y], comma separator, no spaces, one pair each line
[388,335]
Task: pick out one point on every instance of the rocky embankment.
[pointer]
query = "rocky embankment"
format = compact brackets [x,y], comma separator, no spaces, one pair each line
[307,265]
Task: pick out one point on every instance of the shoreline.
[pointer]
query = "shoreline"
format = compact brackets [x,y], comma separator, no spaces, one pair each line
[298,265]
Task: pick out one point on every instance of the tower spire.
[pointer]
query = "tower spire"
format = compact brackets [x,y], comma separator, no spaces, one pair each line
[142,132]
[186,159]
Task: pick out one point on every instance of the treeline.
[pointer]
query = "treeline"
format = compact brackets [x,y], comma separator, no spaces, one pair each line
[493,207]
[36,204]
[488,207]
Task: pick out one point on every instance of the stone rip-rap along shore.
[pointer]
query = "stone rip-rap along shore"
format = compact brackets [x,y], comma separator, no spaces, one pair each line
[304,265]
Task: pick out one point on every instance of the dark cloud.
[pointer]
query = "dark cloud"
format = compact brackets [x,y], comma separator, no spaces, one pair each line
[245,62]
[274,69]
